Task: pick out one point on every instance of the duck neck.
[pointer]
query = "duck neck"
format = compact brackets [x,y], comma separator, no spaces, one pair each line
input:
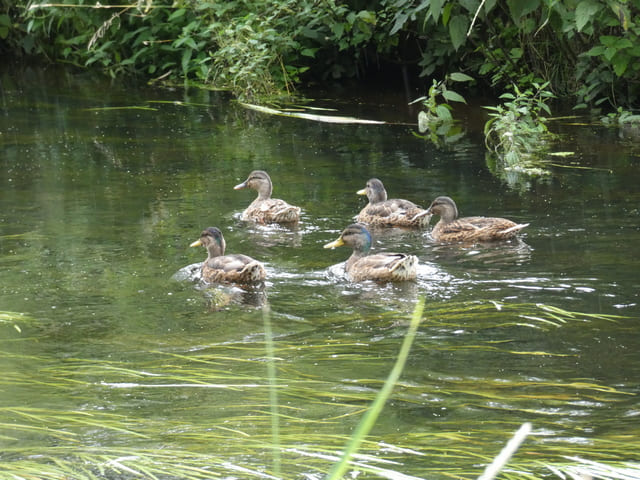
[264,192]
[355,256]
[448,214]
[377,196]
[215,250]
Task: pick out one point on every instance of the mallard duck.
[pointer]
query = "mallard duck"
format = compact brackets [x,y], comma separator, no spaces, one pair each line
[265,209]
[219,267]
[382,267]
[450,228]
[394,212]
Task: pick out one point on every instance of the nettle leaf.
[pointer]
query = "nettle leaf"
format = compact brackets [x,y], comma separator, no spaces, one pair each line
[435,9]
[585,10]
[620,64]
[458,30]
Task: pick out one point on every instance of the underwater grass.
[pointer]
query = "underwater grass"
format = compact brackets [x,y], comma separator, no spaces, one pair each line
[253,410]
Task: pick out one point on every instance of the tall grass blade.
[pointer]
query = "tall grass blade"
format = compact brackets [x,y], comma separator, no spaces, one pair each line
[369,419]
[273,390]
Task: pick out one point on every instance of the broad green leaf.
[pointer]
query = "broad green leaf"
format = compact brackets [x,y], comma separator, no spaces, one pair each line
[620,64]
[488,5]
[460,77]
[399,23]
[453,96]
[435,9]
[595,51]
[520,8]
[177,14]
[367,16]
[458,30]
[585,10]
[443,113]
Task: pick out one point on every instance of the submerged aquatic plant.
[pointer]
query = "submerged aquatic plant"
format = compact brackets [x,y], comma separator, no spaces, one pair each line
[436,119]
[261,424]
[516,132]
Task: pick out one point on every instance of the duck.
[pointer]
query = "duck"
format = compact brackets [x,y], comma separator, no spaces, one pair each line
[394,212]
[452,229]
[265,209]
[221,268]
[381,267]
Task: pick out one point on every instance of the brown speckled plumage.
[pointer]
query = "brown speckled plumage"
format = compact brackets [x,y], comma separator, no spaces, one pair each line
[382,267]
[265,209]
[394,212]
[218,267]
[451,229]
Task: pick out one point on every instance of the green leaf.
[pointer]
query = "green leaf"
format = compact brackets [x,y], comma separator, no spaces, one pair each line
[367,16]
[453,96]
[308,52]
[399,23]
[460,77]
[177,14]
[520,8]
[186,57]
[446,13]
[596,51]
[443,113]
[458,30]
[435,9]
[620,64]
[585,10]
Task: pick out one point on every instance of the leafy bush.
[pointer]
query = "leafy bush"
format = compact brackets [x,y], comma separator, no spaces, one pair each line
[588,49]
[516,130]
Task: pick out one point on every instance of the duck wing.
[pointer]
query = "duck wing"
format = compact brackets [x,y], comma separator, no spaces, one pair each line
[384,267]
[394,212]
[233,268]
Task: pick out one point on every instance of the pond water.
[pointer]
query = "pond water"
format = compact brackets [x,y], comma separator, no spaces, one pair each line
[115,367]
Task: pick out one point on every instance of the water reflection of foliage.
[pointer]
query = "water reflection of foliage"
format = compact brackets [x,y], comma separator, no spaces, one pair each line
[520,179]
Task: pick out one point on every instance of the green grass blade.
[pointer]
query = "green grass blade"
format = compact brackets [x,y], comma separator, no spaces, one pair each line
[369,419]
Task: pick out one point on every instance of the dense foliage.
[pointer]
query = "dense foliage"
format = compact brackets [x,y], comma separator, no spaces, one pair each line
[586,49]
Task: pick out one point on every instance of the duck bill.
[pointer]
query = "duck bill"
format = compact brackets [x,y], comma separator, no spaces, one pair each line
[335,243]
[240,186]
[362,192]
[197,243]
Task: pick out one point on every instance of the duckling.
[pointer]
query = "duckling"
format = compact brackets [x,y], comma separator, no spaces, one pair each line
[265,209]
[382,267]
[450,228]
[394,212]
[219,267]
